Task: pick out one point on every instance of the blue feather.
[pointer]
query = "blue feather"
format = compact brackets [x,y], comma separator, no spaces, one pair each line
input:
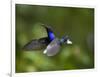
[51,35]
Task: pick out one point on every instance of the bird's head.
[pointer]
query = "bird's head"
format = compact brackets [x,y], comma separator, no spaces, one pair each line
[65,40]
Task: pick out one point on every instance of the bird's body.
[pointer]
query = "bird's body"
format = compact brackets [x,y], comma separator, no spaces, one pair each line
[52,48]
[50,43]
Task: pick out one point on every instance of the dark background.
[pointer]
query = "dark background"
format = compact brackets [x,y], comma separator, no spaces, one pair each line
[78,23]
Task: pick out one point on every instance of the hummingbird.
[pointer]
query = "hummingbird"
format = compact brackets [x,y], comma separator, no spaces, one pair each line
[51,44]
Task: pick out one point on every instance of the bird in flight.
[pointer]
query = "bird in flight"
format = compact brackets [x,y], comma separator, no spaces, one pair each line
[51,43]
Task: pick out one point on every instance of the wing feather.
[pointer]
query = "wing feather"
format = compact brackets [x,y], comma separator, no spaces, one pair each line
[37,44]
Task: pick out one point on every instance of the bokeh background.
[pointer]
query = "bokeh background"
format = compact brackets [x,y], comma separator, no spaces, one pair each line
[78,23]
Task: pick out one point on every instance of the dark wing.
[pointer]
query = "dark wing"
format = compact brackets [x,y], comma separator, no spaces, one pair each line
[50,32]
[37,44]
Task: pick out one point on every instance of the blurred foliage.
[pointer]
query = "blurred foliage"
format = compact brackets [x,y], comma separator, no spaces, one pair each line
[78,23]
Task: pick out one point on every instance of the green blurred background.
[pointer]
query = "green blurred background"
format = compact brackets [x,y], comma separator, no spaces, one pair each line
[78,23]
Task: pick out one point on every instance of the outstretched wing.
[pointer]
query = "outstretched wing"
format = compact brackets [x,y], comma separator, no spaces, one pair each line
[37,44]
[41,43]
[50,33]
